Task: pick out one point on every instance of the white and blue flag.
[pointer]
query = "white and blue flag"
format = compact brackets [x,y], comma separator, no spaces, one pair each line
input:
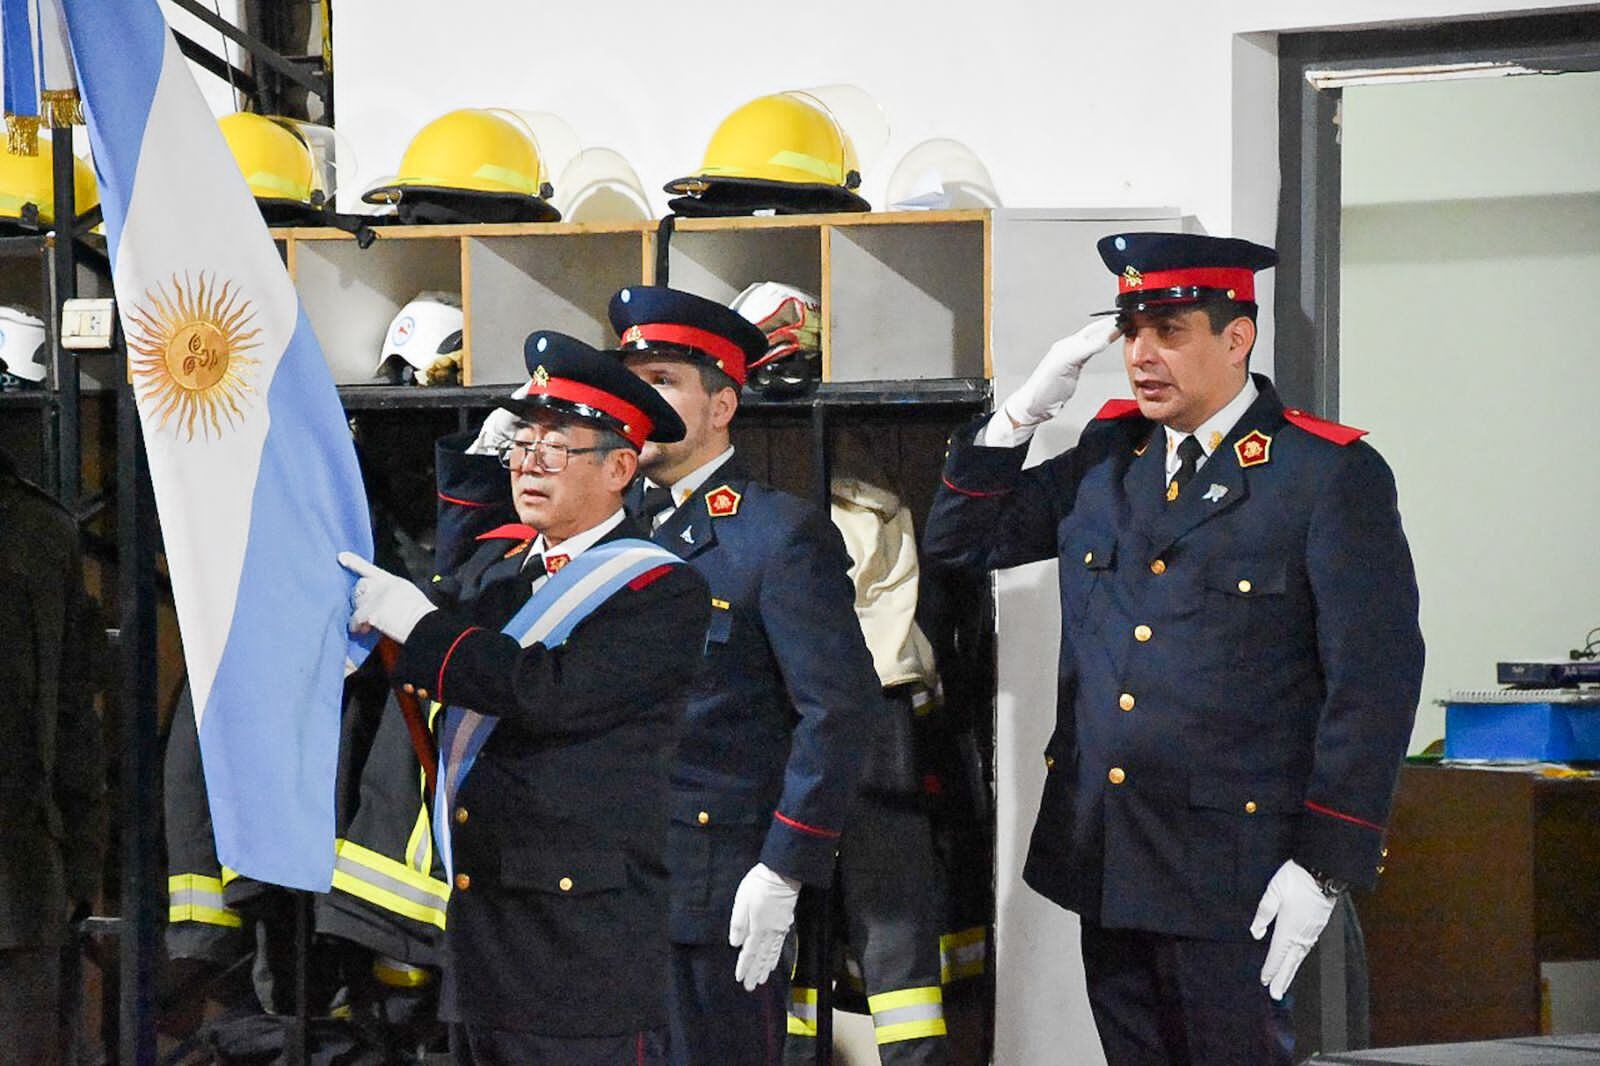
[254,470]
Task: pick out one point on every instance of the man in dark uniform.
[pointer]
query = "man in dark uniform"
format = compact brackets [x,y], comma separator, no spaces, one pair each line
[768,763]
[576,648]
[52,765]
[1240,656]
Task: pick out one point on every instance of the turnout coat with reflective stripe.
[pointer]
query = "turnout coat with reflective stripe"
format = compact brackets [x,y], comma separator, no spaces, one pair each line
[1238,671]
[557,920]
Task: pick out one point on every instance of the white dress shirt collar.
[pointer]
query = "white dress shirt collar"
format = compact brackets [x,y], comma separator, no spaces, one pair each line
[1213,430]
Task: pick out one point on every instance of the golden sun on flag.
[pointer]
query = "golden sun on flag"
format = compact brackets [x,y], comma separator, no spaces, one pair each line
[188,366]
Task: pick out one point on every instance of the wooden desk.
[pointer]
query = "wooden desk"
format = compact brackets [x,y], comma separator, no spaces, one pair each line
[1489,874]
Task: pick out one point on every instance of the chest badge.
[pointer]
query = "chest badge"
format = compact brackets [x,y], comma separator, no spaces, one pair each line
[1254,449]
[1215,493]
[687,536]
[723,501]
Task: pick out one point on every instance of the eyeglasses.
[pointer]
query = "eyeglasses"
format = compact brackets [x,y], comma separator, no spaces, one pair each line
[548,456]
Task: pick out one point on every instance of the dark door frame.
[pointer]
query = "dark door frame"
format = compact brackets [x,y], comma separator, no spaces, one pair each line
[1306,308]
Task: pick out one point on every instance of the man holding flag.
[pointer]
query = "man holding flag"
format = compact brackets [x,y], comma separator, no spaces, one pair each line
[576,649]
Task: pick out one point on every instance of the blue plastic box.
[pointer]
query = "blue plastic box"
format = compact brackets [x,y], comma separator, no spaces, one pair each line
[1516,732]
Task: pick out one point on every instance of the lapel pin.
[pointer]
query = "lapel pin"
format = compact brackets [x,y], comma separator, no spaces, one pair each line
[688,535]
[1215,492]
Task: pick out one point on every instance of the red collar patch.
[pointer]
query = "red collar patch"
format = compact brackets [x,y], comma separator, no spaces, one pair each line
[1118,409]
[723,501]
[1321,427]
[554,563]
[1253,449]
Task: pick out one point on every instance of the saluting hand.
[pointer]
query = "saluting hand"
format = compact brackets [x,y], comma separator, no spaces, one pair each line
[383,601]
[763,911]
[1298,910]
[1055,379]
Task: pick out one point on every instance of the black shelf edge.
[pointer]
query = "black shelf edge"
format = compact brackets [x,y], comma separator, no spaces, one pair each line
[927,392]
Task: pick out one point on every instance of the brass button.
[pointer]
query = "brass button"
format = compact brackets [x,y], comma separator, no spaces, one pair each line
[1249,806]
[1049,762]
[1244,584]
[1126,702]
[704,818]
[1158,567]
[1141,633]
[1088,557]
[1116,776]
[1383,852]
[408,688]
[463,882]
[422,693]
[461,816]
[1380,869]
[566,884]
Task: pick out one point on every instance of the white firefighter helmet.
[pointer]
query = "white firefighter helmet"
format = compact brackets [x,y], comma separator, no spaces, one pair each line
[22,345]
[792,320]
[425,333]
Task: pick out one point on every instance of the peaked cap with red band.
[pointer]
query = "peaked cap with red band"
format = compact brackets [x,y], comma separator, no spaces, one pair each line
[654,317]
[569,377]
[1159,269]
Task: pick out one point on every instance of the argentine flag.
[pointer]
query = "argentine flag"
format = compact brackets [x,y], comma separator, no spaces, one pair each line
[253,467]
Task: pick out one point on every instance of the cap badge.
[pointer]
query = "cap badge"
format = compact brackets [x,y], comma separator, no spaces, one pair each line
[541,376]
[723,501]
[633,335]
[1253,449]
[1131,278]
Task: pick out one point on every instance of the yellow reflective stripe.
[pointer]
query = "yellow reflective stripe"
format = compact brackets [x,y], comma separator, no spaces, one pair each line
[802,1028]
[419,849]
[198,898]
[963,954]
[229,876]
[829,172]
[904,997]
[506,176]
[802,1011]
[395,887]
[907,1014]
[918,1030]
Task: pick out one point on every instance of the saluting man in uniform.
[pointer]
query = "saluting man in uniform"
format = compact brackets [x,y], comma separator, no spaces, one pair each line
[564,667]
[768,761]
[1240,656]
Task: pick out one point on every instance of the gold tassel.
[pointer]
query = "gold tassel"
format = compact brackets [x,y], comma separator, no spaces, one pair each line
[61,107]
[22,134]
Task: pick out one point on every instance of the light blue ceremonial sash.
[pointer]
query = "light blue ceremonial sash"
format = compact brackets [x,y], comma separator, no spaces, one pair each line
[568,597]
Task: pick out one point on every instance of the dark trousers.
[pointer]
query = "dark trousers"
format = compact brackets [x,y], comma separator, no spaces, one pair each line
[476,1046]
[30,998]
[1161,1000]
[715,1022]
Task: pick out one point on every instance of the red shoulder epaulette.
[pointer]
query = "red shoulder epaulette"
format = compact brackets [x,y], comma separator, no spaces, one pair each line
[1321,427]
[1118,409]
[513,531]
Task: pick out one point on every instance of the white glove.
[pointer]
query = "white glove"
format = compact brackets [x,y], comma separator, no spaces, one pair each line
[382,601]
[497,430]
[1298,910]
[763,911]
[1055,379]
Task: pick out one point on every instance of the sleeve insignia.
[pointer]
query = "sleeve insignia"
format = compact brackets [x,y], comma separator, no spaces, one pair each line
[723,501]
[1253,449]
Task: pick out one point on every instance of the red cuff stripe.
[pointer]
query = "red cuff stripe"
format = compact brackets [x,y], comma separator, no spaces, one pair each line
[1352,819]
[828,834]
[650,577]
[974,493]
[438,688]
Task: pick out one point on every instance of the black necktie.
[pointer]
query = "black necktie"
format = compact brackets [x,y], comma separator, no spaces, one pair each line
[1189,453]
[656,499]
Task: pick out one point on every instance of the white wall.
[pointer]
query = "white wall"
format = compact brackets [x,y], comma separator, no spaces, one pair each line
[1056,101]
[1471,255]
